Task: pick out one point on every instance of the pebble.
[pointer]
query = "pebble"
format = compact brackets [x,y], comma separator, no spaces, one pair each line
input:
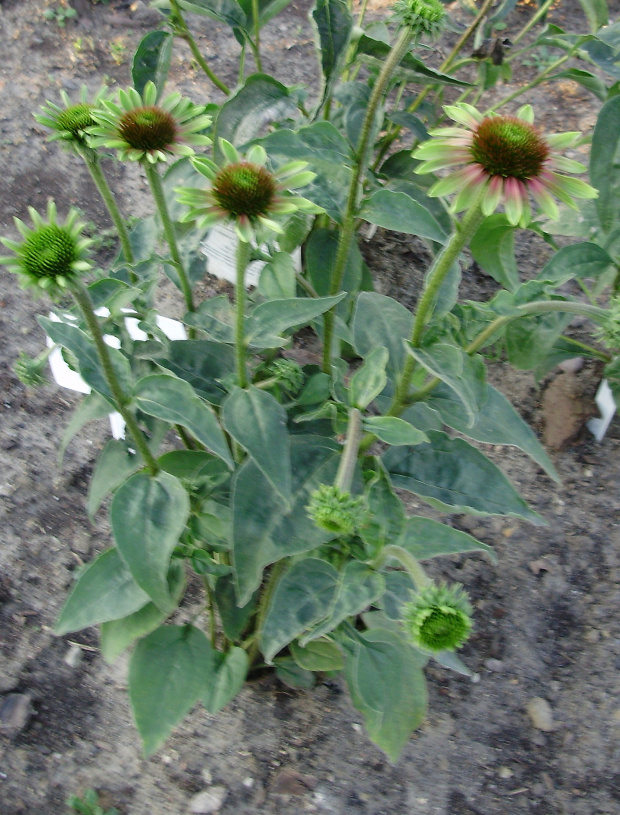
[74,656]
[15,710]
[495,665]
[505,772]
[208,801]
[540,713]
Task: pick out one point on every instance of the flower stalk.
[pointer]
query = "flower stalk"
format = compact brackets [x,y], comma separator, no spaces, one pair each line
[243,256]
[181,29]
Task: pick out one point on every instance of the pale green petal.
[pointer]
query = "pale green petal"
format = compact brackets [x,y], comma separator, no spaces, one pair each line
[526,113]
[230,152]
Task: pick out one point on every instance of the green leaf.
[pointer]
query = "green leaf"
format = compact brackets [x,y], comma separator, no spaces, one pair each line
[294,676]
[399,589]
[92,407]
[394,431]
[267,9]
[380,320]
[116,463]
[148,514]
[385,519]
[464,373]
[174,400]
[227,678]
[530,339]
[264,528]
[113,294]
[400,213]
[104,591]
[319,259]
[369,380]
[318,655]
[577,261]
[452,475]
[493,249]
[333,23]
[277,280]
[257,421]
[497,423]
[416,70]
[202,363]
[216,318]
[196,466]
[117,635]
[151,61]
[587,80]
[167,676]
[301,599]
[269,320]
[225,11]
[357,588]
[388,687]
[425,538]
[604,163]
[259,102]
[234,618]
[596,13]
[76,341]
[329,156]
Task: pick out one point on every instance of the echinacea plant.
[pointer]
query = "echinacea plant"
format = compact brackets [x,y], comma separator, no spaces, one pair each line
[271,478]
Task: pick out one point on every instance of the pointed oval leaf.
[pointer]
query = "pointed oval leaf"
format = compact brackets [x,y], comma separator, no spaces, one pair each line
[257,421]
[604,167]
[400,213]
[425,538]
[225,682]
[104,591]
[269,320]
[202,363]
[116,463]
[174,400]
[151,61]
[167,675]
[318,655]
[369,380]
[453,476]
[393,430]
[148,514]
[380,320]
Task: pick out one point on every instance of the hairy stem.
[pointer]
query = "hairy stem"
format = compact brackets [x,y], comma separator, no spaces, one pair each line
[243,256]
[121,400]
[410,563]
[348,460]
[160,201]
[256,21]
[533,20]
[182,30]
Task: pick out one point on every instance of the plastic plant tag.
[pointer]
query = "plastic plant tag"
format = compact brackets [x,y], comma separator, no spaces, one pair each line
[607,405]
[220,247]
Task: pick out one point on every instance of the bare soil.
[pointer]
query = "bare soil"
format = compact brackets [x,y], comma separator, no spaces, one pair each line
[547,615]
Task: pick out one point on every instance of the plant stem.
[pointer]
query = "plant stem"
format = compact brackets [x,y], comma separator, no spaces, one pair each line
[94,167]
[348,460]
[211,605]
[160,201]
[243,256]
[182,30]
[82,298]
[347,233]
[533,20]
[440,269]
[263,605]
[411,564]
[537,81]
[256,20]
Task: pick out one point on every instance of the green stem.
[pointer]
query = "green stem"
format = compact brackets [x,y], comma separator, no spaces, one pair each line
[263,605]
[401,46]
[256,20]
[94,167]
[440,269]
[348,460]
[82,298]
[182,30]
[211,605]
[243,255]
[411,564]
[160,201]
[533,20]
[539,79]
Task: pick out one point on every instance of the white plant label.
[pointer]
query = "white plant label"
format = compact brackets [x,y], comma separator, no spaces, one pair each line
[607,406]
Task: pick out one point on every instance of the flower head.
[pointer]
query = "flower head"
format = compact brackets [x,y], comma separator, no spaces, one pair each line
[334,510]
[245,192]
[609,331]
[51,255]
[29,371]
[287,373]
[439,618]
[424,18]
[142,130]
[506,160]
[71,123]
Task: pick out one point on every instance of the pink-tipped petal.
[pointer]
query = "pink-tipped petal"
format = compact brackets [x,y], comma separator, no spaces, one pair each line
[493,195]
[543,198]
[513,200]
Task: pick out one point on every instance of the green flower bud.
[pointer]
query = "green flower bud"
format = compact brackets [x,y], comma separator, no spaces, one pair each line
[29,371]
[439,618]
[288,374]
[425,18]
[609,332]
[335,510]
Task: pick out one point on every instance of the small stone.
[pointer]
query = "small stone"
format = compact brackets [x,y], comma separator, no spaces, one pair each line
[15,710]
[571,365]
[290,782]
[495,665]
[593,635]
[540,565]
[206,776]
[74,656]
[208,801]
[540,713]
[505,772]
[248,782]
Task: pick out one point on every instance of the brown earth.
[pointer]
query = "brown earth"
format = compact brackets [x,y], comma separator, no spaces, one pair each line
[547,615]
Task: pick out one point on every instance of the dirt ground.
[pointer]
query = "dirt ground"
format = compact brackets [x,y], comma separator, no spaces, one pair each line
[547,623]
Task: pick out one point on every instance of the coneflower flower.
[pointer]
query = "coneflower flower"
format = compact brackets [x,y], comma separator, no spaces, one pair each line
[70,123]
[141,130]
[506,158]
[244,192]
[439,618]
[51,255]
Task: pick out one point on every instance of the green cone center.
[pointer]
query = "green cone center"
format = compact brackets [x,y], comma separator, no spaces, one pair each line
[76,119]
[49,252]
[444,628]
[148,128]
[244,189]
[509,147]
